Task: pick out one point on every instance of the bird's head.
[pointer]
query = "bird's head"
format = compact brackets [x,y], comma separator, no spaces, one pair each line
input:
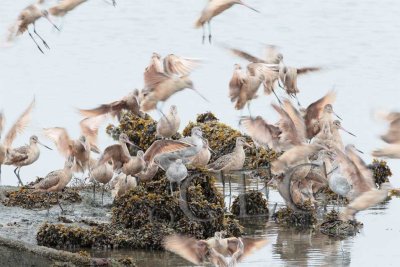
[241,141]
[196,131]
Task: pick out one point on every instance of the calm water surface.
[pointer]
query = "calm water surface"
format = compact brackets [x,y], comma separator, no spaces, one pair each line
[102,51]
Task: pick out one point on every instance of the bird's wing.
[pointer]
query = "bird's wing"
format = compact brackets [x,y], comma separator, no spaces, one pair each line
[393,134]
[236,84]
[259,130]
[305,70]
[20,125]
[366,173]
[220,162]
[17,154]
[271,53]
[49,181]
[164,146]
[114,153]
[297,119]
[314,111]
[294,156]
[176,65]
[246,56]
[112,108]
[152,78]
[90,128]
[288,128]
[217,259]
[251,245]
[2,122]
[60,138]
[186,247]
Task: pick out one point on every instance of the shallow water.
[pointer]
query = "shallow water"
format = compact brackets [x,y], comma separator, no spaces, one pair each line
[102,51]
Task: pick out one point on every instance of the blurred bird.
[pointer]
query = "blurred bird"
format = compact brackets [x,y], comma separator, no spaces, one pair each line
[123,184]
[78,149]
[169,125]
[129,102]
[203,157]
[64,6]
[392,137]
[148,173]
[135,164]
[30,15]
[233,161]
[214,8]
[263,134]
[102,174]
[17,128]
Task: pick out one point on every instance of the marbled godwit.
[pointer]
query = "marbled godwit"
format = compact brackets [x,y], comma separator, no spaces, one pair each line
[263,134]
[392,137]
[233,161]
[78,149]
[159,86]
[65,6]
[129,102]
[364,201]
[243,87]
[148,173]
[24,155]
[56,181]
[198,251]
[203,157]
[102,174]
[30,15]
[169,125]
[176,173]
[118,153]
[18,127]
[214,8]
[135,165]
[330,136]
[124,183]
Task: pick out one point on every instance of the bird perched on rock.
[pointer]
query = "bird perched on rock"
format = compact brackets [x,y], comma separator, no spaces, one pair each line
[123,184]
[169,125]
[176,173]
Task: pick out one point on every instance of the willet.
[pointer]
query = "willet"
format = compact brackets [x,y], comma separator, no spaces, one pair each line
[30,15]
[56,181]
[129,102]
[78,149]
[102,174]
[24,155]
[214,8]
[169,125]
[17,128]
[176,173]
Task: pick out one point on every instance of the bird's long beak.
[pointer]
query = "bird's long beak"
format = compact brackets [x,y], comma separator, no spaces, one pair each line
[194,89]
[343,129]
[246,5]
[44,145]
[248,145]
[359,150]
[52,23]
[132,144]
[337,116]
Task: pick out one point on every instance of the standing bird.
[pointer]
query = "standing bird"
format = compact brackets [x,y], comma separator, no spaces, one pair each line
[123,184]
[169,125]
[214,8]
[30,15]
[203,157]
[17,128]
[102,174]
[135,165]
[56,181]
[129,102]
[78,149]
[24,155]
[176,173]
[233,161]
[159,86]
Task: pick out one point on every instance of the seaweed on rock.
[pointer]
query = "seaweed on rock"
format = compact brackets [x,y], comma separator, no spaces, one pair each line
[381,171]
[296,219]
[254,204]
[334,227]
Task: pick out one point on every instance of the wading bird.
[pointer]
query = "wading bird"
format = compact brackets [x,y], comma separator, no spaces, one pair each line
[123,184]
[17,128]
[28,16]
[102,174]
[169,125]
[176,173]
[214,8]
[203,157]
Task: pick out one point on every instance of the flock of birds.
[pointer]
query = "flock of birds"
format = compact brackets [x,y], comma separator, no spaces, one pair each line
[305,136]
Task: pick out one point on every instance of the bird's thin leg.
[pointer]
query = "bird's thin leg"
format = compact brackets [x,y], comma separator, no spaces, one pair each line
[30,34]
[40,37]
[298,102]
[48,203]
[204,34]
[223,184]
[94,192]
[59,204]
[0,174]
[248,108]
[102,195]
[17,174]
[280,102]
[230,191]
[281,85]
[170,187]
[209,32]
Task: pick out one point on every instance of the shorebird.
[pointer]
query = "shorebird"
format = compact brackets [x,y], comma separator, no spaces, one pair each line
[56,181]
[233,161]
[176,173]
[392,137]
[169,125]
[78,149]
[330,136]
[129,102]
[159,86]
[148,173]
[214,8]
[243,88]
[65,6]
[17,128]
[24,155]
[364,201]
[30,15]
[203,157]
[135,164]
[123,184]
[263,134]
[102,174]
[200,251]
[118,153]
[318,113]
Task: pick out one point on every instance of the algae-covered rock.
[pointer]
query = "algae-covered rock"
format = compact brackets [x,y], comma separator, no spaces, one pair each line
[381,171]
[29,199]
[142,131]
[296,219]
[253,202]
[334,227]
